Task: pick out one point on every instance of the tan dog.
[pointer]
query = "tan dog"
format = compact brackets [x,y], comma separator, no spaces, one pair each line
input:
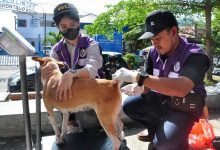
[102,95]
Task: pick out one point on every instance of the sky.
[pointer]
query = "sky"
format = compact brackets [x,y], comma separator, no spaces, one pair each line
[84,6]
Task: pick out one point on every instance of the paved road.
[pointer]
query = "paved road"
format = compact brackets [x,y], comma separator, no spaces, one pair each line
[7,71]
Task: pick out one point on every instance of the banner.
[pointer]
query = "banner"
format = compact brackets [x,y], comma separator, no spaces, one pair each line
[18,5]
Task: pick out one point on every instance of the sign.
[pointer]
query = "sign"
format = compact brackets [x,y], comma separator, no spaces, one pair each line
[114,45]
[18,5]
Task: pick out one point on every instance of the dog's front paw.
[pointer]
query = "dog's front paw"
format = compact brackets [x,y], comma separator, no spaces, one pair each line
[59,140]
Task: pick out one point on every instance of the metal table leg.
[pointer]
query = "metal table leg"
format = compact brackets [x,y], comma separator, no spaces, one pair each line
[38,107]
[22,63]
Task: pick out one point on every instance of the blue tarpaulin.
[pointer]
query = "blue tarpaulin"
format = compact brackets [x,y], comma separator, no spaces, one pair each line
[114,45]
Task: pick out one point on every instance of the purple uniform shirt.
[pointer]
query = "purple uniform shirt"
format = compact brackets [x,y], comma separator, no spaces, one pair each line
[171,67]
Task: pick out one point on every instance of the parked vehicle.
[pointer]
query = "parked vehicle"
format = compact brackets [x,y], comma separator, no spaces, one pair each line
[216,64]
[46,50]
[112,61]
[216,71]
[14,81]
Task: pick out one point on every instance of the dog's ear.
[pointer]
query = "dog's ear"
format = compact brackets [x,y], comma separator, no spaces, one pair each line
[39,59]
[60,64]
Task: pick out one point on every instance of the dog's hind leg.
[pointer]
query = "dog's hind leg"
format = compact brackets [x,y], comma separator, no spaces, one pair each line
[120,129]
[51,117]
[109,124]
[64,123]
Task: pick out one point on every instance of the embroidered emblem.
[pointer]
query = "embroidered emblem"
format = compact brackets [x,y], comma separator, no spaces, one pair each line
[62,7]
[152,23]
[82,53]
[176,67]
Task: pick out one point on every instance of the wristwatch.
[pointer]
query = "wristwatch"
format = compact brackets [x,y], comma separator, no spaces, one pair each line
[142,75]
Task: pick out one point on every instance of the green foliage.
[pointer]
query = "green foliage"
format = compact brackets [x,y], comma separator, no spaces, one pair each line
[209,83]
[132,44]
[216,31]
[195,12]
[132,13]
[53,38]
[130,60]
[127,13]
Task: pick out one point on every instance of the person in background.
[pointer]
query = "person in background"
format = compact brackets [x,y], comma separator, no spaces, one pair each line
[175,71]
[80,54]
[111,66]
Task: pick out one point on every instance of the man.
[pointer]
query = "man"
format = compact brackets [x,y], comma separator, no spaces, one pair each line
[80,54]
[175,71]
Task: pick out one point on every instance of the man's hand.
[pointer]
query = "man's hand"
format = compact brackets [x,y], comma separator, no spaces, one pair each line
[132,89]
[64,86]
[125,75]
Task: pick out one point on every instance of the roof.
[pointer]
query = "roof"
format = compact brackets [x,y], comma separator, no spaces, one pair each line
[88,18]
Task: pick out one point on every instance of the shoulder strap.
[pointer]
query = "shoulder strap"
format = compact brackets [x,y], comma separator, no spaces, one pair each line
[83,43]
[62,52]
[59,46]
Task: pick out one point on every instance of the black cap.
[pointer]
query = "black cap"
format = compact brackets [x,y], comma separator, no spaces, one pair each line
[157,21]
[65,9]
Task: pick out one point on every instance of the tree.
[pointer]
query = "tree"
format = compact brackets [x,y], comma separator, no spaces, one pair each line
[53,38]
[131,13]
[216,32]
[204,7]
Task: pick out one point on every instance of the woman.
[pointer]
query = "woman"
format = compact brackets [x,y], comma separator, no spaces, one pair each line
[80,54]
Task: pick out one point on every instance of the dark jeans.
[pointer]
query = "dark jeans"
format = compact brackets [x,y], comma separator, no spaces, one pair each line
[72,116]
[170,128]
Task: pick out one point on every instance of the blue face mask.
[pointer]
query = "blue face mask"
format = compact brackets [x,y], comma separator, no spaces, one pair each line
[71,33]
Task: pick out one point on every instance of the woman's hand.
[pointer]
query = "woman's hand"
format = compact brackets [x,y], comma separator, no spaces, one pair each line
[64,86]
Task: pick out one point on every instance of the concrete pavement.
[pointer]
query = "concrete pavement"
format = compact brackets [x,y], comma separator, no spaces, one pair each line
[12,125]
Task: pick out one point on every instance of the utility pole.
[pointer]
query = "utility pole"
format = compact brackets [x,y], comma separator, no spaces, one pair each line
[45,32]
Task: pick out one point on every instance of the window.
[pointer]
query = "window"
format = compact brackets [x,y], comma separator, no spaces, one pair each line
[53,24]
[49,23]
[33,43]
[21,23]
[33,22]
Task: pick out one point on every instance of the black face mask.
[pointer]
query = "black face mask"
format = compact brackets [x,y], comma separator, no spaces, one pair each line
[71,33]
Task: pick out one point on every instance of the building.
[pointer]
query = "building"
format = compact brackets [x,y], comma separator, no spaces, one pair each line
[31,26]
[34,27]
